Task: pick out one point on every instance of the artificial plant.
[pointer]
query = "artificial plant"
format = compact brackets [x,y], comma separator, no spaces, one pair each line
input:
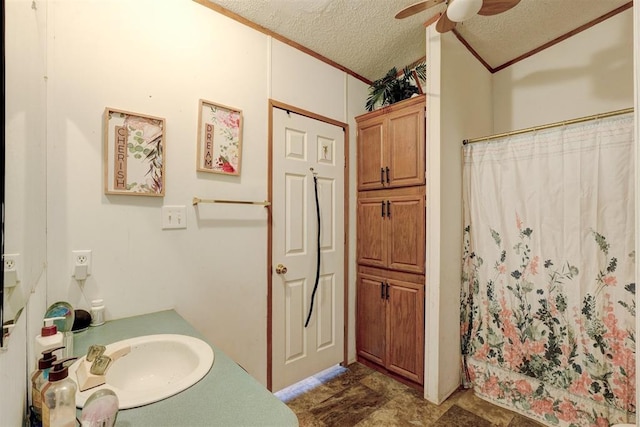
[393,88]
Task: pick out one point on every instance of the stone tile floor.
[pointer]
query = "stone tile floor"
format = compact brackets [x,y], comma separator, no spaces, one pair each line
[359,396]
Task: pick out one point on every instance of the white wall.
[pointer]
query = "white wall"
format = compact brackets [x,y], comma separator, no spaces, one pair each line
[356,92]
[458,105]
[306,82]
[25,175]
[159,58]
[589,73]
[25,135]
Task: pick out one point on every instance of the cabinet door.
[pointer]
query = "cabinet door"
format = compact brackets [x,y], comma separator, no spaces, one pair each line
[370,152]
[372,231]
[406,233]
[370,318]
[405,330]
[405,154]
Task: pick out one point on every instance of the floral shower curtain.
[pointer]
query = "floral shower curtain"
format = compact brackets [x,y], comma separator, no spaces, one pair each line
[548,295]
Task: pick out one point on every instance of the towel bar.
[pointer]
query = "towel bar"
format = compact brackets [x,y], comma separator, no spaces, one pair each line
[197,200]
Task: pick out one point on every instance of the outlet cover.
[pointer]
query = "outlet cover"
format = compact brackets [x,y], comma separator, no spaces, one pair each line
[174,217]
[11,267]
[81,259]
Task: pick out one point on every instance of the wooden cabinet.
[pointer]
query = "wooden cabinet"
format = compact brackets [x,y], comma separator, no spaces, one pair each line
[391,146]
[391,229]
[390,315]
[371,318]
[391,240]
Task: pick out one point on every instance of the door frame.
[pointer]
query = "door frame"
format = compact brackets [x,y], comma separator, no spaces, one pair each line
[345,127]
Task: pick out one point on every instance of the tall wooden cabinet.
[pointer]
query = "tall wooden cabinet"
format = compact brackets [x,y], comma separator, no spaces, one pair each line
[391,240]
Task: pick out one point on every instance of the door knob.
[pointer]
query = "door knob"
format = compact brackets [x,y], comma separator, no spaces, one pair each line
[281,269]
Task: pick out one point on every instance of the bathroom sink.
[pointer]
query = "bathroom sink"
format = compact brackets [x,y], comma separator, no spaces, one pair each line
[150,368]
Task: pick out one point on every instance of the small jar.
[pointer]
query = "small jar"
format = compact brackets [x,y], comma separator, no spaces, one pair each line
[97,312]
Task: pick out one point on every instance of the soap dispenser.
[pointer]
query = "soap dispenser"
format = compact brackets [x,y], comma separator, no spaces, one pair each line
[40,378]
[49,337]
[59,397]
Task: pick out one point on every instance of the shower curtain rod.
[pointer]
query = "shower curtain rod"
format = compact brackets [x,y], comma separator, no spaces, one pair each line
[551,125]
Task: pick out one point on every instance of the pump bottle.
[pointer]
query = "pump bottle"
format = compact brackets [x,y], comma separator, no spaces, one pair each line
[49,337]
[39,379]
[59,397]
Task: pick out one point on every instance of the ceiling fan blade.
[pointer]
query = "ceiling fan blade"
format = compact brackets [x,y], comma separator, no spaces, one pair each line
[445,24]
[494,7]
[417,7]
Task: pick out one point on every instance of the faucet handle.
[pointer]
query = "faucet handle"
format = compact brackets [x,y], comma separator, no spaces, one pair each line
[94,352]
[100,365]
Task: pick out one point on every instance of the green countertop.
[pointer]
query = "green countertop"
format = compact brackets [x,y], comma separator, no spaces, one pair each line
[226,396]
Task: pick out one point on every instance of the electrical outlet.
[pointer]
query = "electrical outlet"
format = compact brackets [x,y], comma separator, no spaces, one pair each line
[81,259]
[10,267]
[10,262]
[174,217]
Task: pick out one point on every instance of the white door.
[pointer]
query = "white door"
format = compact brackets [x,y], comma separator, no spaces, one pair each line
[303,147]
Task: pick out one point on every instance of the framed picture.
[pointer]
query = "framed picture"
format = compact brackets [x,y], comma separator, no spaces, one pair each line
[134,147]
[219,138]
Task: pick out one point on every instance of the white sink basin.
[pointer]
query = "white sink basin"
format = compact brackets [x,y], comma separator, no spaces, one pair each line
[156,367]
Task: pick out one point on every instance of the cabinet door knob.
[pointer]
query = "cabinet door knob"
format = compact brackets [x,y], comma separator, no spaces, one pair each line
[387,168]
[382,210]
[382,290]
[281,269]
[381,175]
[388,208]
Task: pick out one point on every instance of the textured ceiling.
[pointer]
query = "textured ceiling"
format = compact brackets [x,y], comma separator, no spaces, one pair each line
[364,36]
[532,23]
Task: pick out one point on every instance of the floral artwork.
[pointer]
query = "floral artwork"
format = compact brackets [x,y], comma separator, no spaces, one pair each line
[219,139]
[134,154]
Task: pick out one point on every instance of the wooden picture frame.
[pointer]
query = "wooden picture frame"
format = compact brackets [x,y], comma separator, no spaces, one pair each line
[219,138]
[134,153]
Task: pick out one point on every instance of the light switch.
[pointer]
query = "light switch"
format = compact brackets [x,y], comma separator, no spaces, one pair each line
[174,217]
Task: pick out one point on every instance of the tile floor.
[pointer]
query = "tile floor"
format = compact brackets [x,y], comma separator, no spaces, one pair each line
[360,396]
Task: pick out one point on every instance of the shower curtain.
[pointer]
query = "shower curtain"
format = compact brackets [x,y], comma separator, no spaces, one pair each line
[548,293]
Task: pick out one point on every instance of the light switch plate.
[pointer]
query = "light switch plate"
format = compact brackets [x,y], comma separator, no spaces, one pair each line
[174,217]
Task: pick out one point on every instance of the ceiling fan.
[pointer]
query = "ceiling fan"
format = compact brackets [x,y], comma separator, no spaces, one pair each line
[458,10]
